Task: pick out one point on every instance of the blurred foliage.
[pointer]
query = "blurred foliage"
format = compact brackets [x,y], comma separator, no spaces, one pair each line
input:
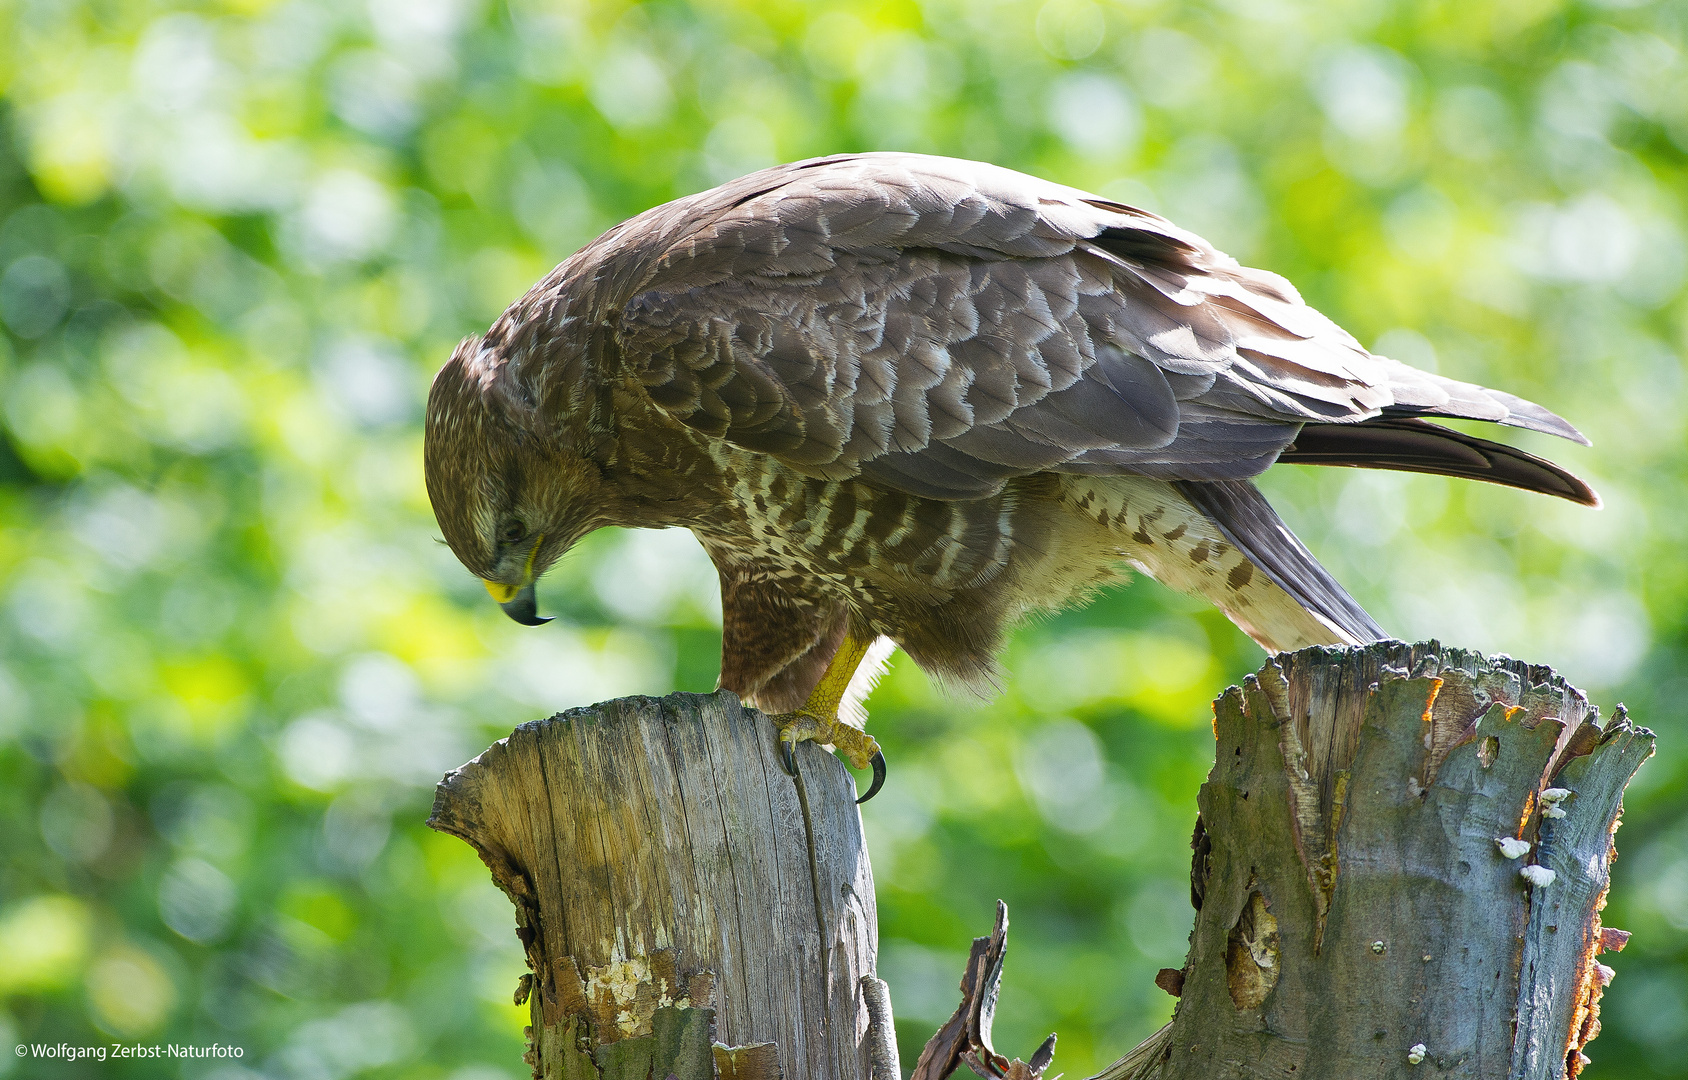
[237,238]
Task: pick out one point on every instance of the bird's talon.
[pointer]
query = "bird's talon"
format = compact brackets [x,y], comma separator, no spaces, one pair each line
[878,763]
[856,746]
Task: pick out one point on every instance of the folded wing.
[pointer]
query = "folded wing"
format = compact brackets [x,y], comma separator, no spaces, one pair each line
[940,327]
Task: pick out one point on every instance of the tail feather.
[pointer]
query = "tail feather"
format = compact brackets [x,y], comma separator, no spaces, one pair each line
[1419,446]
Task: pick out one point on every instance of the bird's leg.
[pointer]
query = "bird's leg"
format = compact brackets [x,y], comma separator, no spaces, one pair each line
[817,718]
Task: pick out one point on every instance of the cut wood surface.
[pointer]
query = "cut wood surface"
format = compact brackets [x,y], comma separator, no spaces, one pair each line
[1400,862]
[657,856]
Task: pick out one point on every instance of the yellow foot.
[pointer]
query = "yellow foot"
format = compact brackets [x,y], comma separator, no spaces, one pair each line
[858,746]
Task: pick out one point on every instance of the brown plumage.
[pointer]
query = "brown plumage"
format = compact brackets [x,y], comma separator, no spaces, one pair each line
[914,398]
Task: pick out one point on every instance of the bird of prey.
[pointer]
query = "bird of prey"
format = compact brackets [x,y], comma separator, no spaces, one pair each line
[909,399]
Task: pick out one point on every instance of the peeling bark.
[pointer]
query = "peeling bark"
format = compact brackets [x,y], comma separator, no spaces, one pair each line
[966,1037]
[1398,868]
[657,859]
[1400,863]
[1251,954]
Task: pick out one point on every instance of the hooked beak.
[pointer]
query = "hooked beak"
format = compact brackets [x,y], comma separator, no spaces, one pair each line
[519,602]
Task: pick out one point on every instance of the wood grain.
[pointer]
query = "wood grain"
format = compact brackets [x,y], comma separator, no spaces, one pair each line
[1355,801]
[656,856]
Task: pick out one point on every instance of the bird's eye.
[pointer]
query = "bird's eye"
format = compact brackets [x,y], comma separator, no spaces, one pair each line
[512,532]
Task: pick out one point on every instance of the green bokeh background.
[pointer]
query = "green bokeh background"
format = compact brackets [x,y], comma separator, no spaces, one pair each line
[236,240]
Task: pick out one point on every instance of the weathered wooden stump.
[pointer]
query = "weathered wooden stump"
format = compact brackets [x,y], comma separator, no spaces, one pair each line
[659,862]
[1400,864]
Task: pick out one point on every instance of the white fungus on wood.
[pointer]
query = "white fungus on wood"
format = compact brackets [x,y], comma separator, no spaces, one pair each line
[1415,1055]
[1512,847]
[1539,876]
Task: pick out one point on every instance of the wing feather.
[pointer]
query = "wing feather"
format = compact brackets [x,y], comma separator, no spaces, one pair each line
[1249,522]
[941,326]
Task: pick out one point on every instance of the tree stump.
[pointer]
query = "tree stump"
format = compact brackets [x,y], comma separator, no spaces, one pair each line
[659,861]
[1400,862]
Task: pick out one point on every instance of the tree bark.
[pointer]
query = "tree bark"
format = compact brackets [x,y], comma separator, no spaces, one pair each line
[1400,861]
[659,861]
[1358,911]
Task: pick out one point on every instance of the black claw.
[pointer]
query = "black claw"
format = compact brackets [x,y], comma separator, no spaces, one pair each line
[878,777]
[788,756]
[524,608]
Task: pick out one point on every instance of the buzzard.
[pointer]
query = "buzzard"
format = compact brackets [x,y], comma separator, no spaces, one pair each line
[908,399]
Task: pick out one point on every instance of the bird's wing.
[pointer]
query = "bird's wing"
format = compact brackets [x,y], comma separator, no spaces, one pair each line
[939,326]
[1244,517]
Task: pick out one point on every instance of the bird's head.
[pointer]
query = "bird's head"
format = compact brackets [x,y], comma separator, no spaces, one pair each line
[511,495]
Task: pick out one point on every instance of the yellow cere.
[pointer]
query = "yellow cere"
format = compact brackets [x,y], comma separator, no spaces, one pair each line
[505,593]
